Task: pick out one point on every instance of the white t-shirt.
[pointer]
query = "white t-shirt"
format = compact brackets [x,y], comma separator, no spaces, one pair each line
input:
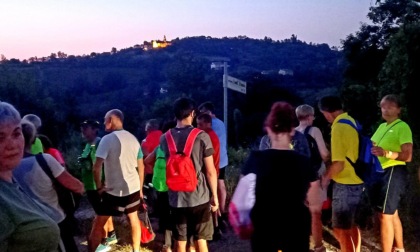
[120,150]
[37,184]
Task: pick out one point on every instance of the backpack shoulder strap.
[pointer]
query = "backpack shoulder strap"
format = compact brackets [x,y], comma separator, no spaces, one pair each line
[171,142]
[307,129]
[357,128]
[43,163]
[190,141]
[347,121]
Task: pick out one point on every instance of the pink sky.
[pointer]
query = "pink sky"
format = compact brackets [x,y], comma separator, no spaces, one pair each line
[38,28]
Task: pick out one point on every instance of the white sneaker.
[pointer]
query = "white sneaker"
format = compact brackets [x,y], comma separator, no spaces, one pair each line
[103,248]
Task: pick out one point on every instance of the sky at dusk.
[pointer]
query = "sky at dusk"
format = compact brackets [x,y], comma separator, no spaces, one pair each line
[31,28]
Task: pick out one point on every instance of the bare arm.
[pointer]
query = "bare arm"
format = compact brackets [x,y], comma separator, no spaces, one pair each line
[97,170]
[405,155]
[70,182]
[140,167]
[325,153]
[211,176]
[335,168]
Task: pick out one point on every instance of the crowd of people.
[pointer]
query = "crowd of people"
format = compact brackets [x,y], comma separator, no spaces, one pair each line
[116,167]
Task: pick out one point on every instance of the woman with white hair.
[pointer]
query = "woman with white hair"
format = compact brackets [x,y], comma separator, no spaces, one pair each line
[21,216]
[36,182]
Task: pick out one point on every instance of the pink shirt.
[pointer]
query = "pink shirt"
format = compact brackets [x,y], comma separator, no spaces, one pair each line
[57,155]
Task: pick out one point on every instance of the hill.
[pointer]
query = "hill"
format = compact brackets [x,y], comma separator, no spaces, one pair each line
[64,89]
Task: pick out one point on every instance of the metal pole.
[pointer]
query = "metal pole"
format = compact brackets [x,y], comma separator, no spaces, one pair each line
[225,105]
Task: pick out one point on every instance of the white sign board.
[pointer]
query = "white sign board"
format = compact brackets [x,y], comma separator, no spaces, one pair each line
[236,84]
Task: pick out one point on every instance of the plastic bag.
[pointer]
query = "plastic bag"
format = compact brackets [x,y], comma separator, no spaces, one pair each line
[240,207]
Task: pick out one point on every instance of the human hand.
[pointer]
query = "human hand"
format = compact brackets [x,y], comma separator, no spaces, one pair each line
[103,189]
[214,204]
[377,151]
[325,181]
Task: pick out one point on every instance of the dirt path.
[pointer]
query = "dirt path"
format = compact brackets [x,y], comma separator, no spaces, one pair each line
[229,242]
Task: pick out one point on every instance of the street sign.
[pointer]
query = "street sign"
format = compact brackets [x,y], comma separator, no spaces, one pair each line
[236,84]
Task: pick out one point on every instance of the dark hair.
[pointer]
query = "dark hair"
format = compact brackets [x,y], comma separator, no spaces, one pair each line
[183,107]
[330,104]
[169,124]
[282,117]
[206,106]
[46,142]
[204,117]
[92,123]
[152,124]
[394,99]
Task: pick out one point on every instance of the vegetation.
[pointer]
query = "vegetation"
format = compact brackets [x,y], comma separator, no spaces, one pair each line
[68,89]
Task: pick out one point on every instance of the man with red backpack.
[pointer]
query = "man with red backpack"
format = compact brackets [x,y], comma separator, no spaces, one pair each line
[190,205]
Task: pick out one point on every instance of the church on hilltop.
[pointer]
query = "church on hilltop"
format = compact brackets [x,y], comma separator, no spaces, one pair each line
[154,44]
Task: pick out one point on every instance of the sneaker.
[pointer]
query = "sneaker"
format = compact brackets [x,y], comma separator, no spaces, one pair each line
[111,239]
[103,247]
[320,249]
[217,235]
[398,250]
[223,225]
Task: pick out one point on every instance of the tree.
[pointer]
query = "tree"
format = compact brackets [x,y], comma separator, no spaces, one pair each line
[186,73]
[366,52]
[400,74]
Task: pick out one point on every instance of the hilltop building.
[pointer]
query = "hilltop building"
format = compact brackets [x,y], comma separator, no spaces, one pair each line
[156,44]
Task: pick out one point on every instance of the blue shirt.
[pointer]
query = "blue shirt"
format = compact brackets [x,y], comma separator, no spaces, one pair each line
[219,127]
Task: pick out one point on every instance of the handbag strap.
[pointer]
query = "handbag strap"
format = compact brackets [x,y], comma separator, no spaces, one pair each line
[45,167]
[387,132]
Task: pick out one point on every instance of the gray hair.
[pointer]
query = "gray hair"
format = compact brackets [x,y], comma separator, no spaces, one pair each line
[303,111]
[34,119]
[9,114]
[28,131]
[117,113]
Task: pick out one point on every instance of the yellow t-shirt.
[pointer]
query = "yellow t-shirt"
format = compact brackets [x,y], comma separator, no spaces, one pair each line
[345,143]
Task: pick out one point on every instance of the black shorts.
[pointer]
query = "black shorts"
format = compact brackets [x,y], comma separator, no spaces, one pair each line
[387,193]
[222,173]
[94,199]
[116,206]
[193,222]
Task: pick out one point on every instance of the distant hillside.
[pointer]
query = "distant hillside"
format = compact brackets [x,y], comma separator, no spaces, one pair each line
[143,83]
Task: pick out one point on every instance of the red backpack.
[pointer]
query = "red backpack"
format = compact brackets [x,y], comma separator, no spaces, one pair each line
[180,171]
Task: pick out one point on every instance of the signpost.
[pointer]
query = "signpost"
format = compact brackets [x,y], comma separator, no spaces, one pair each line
[233,84]
[236,84]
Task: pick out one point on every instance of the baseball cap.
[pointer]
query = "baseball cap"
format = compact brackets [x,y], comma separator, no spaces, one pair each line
[89,122]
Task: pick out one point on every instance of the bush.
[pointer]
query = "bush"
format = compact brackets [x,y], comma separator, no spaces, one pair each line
[236,159]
